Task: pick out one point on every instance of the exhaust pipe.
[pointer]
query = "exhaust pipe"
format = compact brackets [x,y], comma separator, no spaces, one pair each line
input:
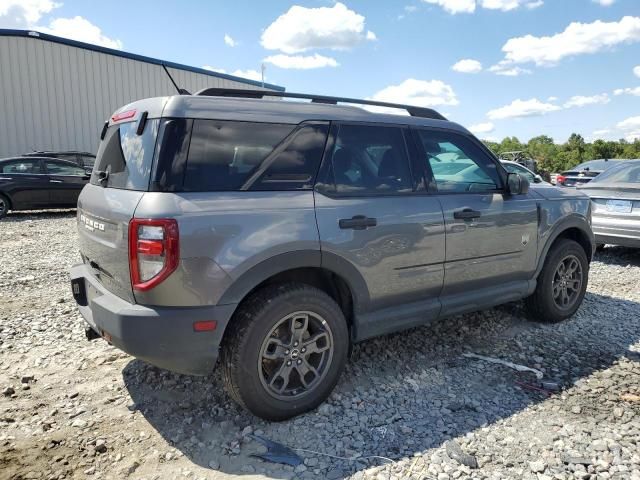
[91,334]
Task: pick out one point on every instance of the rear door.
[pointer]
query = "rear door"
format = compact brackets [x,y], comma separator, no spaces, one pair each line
[491,237]
[23,181]
[66,180]
[105,206]
[373,213]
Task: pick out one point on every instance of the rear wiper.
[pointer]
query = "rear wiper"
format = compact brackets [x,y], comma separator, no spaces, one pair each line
[103,176]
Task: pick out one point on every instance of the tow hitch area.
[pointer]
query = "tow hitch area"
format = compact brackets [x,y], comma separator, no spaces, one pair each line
[90,333]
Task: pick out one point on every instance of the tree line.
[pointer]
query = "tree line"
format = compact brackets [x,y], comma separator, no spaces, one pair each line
[553,157]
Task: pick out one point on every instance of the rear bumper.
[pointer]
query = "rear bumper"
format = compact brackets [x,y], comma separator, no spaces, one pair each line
[617,231]
[162,336]
[633,242]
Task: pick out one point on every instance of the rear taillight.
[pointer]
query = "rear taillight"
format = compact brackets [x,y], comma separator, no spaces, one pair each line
[561,179]
[153,251]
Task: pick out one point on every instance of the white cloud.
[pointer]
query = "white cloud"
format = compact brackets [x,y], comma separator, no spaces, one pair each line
[627,91]
[581,101]
[576,39]
[80,29]
[631,128]
[605,3]
[636,71]
[522,108]
[455,6]
[467,65]
[601,133]
[469,6]
[507,5]
[27,14]
[24,13]
[508,70]
[301,29]
[301,62]
[250,74]
[552,99]
[230,42]
[481,128]
[421,93]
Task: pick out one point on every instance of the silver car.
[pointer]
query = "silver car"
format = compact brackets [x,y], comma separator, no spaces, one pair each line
[269,236]
[615,196]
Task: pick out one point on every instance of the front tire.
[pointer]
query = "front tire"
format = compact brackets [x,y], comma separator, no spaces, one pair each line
[562,283]
[284,351]
[4,206]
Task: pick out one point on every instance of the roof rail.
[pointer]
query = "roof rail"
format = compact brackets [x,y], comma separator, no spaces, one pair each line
[243,93]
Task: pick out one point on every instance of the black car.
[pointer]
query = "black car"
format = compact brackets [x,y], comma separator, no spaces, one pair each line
[84,159]
[583,173]
[29,183]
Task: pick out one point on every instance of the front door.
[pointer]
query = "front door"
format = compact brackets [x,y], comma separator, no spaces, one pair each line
[22,180]
[371,213]
[491,236]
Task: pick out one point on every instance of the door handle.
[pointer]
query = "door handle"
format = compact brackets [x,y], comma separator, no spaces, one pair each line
[55,181]
[466,214]
[357,222]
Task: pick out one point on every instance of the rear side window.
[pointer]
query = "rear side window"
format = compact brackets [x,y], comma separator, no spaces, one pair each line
[126,156]
[295,167]
[371,160]
[20,166]
[224,154]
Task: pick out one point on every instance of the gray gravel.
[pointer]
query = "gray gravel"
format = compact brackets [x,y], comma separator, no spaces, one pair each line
[74,409]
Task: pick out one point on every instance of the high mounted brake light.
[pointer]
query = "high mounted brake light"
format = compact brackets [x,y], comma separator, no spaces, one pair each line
[154,251]
[123,115]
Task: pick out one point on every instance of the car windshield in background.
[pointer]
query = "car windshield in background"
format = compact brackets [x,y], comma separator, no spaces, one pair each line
[126,156]
[626,172]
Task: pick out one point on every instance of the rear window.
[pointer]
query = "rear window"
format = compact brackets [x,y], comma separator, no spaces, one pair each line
[223,154]
[126,157]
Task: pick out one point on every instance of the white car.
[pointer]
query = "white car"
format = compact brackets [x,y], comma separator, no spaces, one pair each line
[513,167]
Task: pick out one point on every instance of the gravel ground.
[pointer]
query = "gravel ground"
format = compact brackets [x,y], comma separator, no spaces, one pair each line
[77,409]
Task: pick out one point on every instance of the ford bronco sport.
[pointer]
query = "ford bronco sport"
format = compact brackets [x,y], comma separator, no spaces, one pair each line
[269,235]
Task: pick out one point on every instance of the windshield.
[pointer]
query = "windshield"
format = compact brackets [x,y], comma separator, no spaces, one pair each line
[627,172]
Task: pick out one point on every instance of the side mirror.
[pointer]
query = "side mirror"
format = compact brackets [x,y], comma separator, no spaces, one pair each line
[537,179]
[517,184]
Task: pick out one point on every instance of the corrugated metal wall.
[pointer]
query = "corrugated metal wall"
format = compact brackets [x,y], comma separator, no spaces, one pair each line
[57,97]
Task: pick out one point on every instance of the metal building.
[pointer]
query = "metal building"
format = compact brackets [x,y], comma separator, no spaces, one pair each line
[55,93]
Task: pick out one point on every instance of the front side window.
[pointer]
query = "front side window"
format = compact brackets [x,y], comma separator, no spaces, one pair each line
[20,166]
[63,168]
[126,157]
[370,160]
[457,164]
[224,154]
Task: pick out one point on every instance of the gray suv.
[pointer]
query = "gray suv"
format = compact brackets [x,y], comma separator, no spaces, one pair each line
[271,235]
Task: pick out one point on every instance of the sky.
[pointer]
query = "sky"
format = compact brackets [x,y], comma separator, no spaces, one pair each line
[499,67]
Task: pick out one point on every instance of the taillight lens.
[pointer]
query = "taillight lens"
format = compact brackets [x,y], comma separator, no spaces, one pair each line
[153,251]
[561,179]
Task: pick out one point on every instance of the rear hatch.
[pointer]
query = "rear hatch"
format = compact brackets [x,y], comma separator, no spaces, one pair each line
[119,180]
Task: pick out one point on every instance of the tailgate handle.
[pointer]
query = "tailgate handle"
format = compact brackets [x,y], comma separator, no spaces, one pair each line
[357,222]
[466,214]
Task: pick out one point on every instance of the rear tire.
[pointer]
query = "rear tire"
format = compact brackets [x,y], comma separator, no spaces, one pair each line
[562,283]
[4,206]
[284,351]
